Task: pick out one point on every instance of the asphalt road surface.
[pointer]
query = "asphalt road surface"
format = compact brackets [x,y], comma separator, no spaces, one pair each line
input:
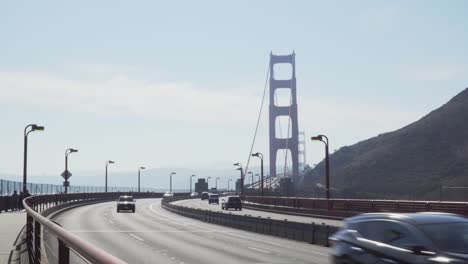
[198,203]
[154,235]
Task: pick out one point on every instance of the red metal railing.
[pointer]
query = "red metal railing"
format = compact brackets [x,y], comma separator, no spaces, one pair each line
[348,207]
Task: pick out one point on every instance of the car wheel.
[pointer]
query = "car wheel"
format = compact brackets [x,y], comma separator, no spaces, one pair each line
[133,210]
[118,210]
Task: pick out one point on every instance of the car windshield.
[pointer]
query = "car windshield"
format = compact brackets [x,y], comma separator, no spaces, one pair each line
[214,196]
[234,199]
[126,199]
[449,237]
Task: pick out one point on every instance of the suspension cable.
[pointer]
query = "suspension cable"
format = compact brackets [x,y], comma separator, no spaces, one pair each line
[258,119]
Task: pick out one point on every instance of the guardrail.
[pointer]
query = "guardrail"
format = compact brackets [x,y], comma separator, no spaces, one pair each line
[306,232]
[35,222]
[341,208]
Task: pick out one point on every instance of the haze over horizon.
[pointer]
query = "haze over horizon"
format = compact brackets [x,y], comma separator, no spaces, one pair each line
[147,87]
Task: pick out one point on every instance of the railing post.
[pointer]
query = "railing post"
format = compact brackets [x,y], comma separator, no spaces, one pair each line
[63,253]
[313,233]
[37,242]
[29,237]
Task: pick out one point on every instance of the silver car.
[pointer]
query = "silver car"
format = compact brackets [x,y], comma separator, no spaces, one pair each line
[126,202]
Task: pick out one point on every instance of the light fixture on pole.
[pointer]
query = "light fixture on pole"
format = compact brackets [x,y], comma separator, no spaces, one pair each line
[107,163]
[170,181]
[66,174]
[327,161]
[139,169]
[193,175]
[260,155]
[33,127]
[242,176]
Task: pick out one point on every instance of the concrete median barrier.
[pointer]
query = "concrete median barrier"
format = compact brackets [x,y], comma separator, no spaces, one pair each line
[306,232]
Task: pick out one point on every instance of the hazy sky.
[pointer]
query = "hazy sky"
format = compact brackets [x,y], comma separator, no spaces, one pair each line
[179,83]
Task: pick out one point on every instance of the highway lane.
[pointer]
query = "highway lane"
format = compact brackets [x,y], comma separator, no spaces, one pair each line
[198,203]
[154,235]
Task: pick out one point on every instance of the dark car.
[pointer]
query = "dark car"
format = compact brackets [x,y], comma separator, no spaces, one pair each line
[231,202]
[205,195]
[126,203]
[402,238]
[213,198]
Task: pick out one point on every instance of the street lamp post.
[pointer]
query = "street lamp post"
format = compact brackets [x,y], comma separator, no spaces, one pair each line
[327,161]
[242,176]
[68,151]
[139,169]
[107,163]
[191,182]
[208,182]
[33,127]
[228,184]
[260,155]
[216,184]
[170,181]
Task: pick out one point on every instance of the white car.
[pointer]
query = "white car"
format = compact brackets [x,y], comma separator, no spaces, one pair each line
[194,194]
[168,194]
[126,202]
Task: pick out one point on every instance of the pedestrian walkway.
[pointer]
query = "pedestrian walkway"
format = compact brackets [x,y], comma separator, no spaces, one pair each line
[11,224]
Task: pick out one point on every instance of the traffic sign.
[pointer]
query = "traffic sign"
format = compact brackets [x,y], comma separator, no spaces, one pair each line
[66,174]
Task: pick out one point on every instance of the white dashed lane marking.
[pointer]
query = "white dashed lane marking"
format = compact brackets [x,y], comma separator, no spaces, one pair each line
[136,237]
[259,250]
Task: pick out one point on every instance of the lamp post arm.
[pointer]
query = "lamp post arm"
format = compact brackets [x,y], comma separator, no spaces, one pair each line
[26,128]
[326,138]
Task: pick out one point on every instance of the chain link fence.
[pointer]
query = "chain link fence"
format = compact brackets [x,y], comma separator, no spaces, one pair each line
[7,188]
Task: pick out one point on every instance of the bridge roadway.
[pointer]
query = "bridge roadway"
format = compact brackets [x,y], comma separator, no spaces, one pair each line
[154,235]
[199,204]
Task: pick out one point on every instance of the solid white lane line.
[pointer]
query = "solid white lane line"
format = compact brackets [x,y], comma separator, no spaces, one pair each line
[110,221]
[136,237]
[259,250]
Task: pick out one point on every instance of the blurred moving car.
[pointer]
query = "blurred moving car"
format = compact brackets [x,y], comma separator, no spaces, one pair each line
[231,202]
[213,198]
[168,194]
[126,202]
[205,195]
[194,194]
[402,238]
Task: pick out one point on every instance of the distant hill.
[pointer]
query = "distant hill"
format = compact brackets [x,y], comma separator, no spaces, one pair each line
[409,163]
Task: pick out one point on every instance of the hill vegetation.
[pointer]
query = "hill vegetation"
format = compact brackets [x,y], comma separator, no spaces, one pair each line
[410,163]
